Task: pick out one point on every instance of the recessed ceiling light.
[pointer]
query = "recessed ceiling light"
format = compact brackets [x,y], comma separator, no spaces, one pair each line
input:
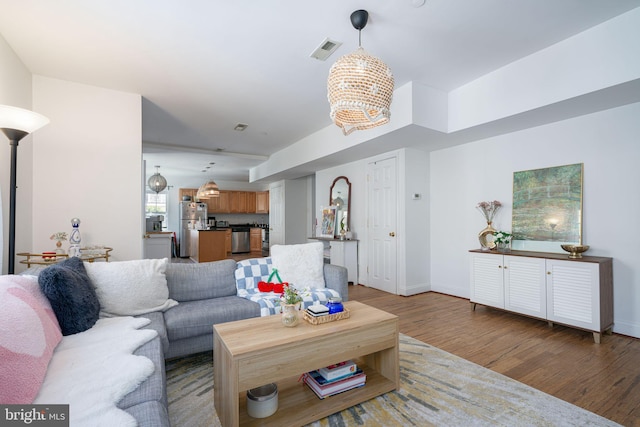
[326,48]
[240,127]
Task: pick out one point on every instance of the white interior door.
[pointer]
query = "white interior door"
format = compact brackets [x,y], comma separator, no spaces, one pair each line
[382,209]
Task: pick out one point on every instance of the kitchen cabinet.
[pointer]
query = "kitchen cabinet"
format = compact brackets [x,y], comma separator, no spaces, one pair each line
[233,201]
[251,202]
[219,204]
[238,202]
[255,239]
[207,245]
[572,292]
[262,202]
[191,192]
[343,253]
[157,245]
[227,240]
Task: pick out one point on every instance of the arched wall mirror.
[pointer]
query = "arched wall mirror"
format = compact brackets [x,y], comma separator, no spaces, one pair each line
[340,196]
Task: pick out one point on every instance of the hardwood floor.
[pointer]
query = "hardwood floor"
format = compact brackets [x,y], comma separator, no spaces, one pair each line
[564,362]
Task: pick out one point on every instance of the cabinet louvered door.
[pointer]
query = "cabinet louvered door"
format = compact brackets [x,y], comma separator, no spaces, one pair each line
[487,281]
[524,286]
[573,293]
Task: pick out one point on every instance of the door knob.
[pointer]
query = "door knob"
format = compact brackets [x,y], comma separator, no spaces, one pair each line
[392,234]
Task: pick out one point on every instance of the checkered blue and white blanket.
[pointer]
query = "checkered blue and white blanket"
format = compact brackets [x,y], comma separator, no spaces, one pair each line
[251,271]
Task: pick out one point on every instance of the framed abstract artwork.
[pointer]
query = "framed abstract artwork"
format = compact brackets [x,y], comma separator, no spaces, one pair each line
[547,206]
[328,224]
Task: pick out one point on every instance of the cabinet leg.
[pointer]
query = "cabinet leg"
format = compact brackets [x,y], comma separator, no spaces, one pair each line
[550,324]
[596,337]
[473,306]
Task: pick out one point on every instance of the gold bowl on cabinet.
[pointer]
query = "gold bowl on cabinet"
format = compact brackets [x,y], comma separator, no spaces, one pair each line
[575,251]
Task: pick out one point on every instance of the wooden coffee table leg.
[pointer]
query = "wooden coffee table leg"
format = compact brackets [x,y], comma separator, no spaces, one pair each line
[387,363]
[225,380]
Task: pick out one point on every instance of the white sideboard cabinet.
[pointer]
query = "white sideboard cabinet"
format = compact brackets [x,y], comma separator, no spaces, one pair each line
[343,253]
[572,292]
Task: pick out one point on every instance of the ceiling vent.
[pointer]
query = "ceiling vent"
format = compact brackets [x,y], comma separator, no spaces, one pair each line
[326,48]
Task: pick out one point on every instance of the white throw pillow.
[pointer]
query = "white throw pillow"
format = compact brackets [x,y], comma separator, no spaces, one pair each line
[300,265]
[130,288]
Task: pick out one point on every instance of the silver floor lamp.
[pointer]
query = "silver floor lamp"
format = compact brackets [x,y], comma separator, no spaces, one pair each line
[16,123]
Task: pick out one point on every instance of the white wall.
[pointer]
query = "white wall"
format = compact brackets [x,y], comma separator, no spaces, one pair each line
[413,224]
[607,144]
[87,163]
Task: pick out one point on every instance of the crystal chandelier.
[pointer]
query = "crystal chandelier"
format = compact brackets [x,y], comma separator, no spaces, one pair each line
[360,87]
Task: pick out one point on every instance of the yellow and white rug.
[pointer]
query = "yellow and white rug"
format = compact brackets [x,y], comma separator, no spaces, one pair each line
[436,389]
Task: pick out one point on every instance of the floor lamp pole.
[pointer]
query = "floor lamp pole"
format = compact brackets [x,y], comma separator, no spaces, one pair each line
[12,207]
[14,136]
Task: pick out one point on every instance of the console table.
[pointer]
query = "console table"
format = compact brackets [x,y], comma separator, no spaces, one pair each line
[53,258]
[343,253]
[549,286]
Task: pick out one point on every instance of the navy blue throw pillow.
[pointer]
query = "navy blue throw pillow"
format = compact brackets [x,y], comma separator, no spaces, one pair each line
[71,294]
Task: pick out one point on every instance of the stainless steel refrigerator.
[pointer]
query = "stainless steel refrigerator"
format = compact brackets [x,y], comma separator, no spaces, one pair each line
[193,216]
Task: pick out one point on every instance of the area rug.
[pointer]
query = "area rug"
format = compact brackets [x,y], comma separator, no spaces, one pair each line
[436,389]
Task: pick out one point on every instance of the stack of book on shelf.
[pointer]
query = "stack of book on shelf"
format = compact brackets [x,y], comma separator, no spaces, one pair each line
[335,379]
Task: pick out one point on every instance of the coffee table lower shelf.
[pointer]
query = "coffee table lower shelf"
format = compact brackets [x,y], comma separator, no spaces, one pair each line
[299,405]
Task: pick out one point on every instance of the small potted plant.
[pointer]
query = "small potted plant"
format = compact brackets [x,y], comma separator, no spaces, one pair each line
[290,300]
[502,239]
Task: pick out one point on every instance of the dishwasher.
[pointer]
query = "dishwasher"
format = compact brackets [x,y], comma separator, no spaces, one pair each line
[240,239]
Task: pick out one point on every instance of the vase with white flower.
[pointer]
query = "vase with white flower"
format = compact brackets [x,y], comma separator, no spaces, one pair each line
[488,210]
[59,237]
[502,239]
[290,301]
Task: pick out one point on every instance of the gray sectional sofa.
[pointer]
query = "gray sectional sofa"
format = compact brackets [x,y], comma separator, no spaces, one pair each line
[206,293]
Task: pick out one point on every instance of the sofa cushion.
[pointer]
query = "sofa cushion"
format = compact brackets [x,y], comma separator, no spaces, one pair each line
[130,288]
[29,332]
[300,265]
[193,318]
[198,281]
[72,295]
[251,271]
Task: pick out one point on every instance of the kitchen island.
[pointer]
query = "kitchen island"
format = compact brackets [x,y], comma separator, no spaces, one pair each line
[208,245]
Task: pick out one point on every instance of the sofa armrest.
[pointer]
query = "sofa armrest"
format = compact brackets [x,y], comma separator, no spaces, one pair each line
[335,277]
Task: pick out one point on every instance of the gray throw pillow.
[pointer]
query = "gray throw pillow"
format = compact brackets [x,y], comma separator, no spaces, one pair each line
[71,294]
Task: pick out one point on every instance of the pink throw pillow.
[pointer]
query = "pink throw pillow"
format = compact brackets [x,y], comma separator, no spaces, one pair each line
[29,332]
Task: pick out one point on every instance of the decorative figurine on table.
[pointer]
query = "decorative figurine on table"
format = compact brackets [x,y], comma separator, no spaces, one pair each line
[75,238]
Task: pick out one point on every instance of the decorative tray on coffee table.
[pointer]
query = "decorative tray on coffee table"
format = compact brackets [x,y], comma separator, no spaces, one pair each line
[317,320]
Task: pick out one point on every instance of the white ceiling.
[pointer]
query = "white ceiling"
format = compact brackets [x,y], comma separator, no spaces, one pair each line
[202,66]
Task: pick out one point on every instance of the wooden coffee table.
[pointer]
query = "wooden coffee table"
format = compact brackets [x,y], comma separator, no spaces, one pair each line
[253,352]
